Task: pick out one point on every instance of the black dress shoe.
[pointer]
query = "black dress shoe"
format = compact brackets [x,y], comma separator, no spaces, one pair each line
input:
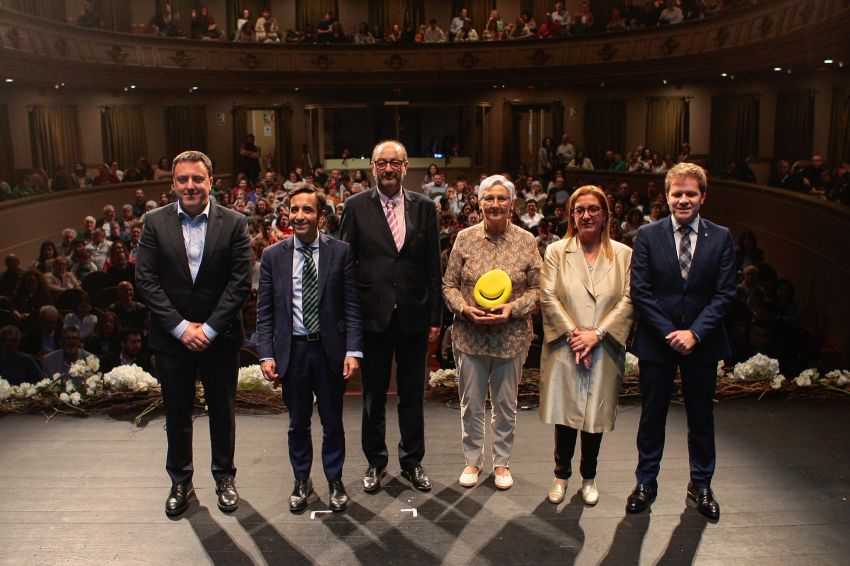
[418,478]
[228,497]
[339,499]
[705,501]
[372,478]
[178,499]
[641,497]
[300,495]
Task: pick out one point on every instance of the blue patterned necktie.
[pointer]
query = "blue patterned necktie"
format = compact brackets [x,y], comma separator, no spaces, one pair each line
[685,256]
[309,291]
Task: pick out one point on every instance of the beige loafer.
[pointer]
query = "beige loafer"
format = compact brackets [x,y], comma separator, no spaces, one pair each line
[504,481]
[558,490]
[589,493]
[468,479]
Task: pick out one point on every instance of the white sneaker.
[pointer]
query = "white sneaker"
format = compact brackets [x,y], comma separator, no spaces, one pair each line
[558,490]
[504,481]
[589,493]
[469,479]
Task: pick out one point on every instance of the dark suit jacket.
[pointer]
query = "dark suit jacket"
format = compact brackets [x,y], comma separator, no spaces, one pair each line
[339,308]
[220,289]
[667,303]
[407,281]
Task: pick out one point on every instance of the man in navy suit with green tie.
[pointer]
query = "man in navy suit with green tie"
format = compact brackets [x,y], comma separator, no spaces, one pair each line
[682,284]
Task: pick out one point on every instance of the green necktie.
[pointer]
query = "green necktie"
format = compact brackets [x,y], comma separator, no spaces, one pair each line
[309,291]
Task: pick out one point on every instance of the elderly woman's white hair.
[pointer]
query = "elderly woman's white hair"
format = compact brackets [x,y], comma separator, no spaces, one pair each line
[494,180]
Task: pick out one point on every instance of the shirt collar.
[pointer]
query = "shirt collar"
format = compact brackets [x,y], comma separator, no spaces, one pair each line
[203,215]
[313,245]
[694,224]
[396,198]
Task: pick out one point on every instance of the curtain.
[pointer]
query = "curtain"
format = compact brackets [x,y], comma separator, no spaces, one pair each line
[604,127]
[123,133]
[839,126]
[479,12]
[114,15]
[7,155]
[510,142]
[240,130]
[54,137]
[185,128]
[388,12]
[794,131]
[313,11]
[666,124]
[234,13]
[556,111]
[538,10]
[284,154]
[734,129]
[50,9]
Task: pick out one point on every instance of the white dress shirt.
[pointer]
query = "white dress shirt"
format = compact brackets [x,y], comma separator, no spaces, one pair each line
[194,237]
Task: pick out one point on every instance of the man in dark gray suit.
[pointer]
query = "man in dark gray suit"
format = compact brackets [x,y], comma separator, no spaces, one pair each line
[193,271]
[394,235]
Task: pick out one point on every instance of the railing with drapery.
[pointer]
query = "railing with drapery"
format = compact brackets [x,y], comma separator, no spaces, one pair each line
[750,40]
[123,133]
[54,136]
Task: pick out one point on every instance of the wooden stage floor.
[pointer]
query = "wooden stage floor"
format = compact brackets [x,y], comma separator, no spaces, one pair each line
[91,491]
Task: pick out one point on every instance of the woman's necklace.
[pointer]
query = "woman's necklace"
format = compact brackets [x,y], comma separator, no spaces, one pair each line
[590,257]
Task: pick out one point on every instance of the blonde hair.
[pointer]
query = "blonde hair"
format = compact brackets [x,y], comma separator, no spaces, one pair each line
[685,170]
[597,192]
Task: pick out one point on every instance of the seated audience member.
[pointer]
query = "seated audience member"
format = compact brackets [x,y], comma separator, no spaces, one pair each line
[656,212]
[45,337]
[130,313]
[82,318]
[82,265]
[59,278]
[433,34]
[247,32]
[62,180]
[748,251]
[580,161]
[436,187]
[811,176]
[324,29]
[90,18]
[267,28]
[685,154]
[46,251]
[532,216]
[66,246]
[549,28]
[562,17]
[363,35]
[105,176]
[163,171]
[104,339]
[632,14]
[244,17]
[85,234]
[671,14]
[787,311]
[657,165]
[13,273]
[749,291]
[82,179]
[130,353]
[628,229]
[135,236]
[165,22]
[30,294]
[203,25]
[520,30]
[617,22]
[116,171]
[109,217]
[466,33]
[122,270]
[59,361]
[545,236]
[140,201]
[16,367]
[99,248]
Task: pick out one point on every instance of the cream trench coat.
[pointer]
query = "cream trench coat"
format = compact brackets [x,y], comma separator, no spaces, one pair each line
[571,296]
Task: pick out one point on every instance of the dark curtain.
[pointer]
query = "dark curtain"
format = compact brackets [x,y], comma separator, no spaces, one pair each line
[284,154]
[479,12]
[7,155]
[734,129]
[604,127]
[666,124]
[510,142]
[556,111]
[50,9]
[54,137]
[123,133]
[794,130]
[839,126]
[602,12]
[114,15]
[388,12]
[234,13]
[240,130]
[313,11]
[185,129]
[538,10]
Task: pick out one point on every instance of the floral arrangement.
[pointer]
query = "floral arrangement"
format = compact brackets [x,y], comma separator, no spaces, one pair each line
[757,368]
[632,365]
[125,378]
[443,378]
[251,378]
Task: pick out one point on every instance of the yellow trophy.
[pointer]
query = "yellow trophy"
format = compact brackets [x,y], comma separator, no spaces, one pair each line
[492,289]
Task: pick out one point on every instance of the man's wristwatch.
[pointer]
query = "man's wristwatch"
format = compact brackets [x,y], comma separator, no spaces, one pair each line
[601,333]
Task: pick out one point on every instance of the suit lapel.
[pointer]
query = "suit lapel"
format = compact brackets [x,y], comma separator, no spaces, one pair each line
[285,273]
[575,259]
[380,219]
[211,238]
[175,235]
[600,271]
[325,252]
[410,216]
[668,247]
[700,251]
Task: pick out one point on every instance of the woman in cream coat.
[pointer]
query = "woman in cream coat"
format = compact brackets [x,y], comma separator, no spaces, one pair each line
[587,314]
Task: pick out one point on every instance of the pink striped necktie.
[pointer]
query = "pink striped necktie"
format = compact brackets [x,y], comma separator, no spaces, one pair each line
[391,220]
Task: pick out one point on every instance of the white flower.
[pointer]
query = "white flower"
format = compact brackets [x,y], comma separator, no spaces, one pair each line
[64,397]
[43,384]
[93,363]
[75,398]
[5,389]
[757,368]
[720,369]
[806,377]
[632,367]
[130,378]
[28,390]
[251,378]
[69,386]
[776,382]
[842,381]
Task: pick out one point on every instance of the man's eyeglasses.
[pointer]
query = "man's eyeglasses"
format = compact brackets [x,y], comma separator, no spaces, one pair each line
[592,210]
[394,163]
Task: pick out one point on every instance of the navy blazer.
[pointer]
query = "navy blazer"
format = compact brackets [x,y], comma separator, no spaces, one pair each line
[219,291]
[406,281]
[666,302]
[339,308]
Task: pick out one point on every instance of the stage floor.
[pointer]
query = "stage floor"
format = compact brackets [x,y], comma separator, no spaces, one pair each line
[91,491]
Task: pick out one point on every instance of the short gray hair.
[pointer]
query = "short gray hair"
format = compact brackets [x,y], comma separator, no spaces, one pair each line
[494,180]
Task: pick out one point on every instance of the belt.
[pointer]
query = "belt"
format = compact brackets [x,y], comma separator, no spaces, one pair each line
[312,337]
